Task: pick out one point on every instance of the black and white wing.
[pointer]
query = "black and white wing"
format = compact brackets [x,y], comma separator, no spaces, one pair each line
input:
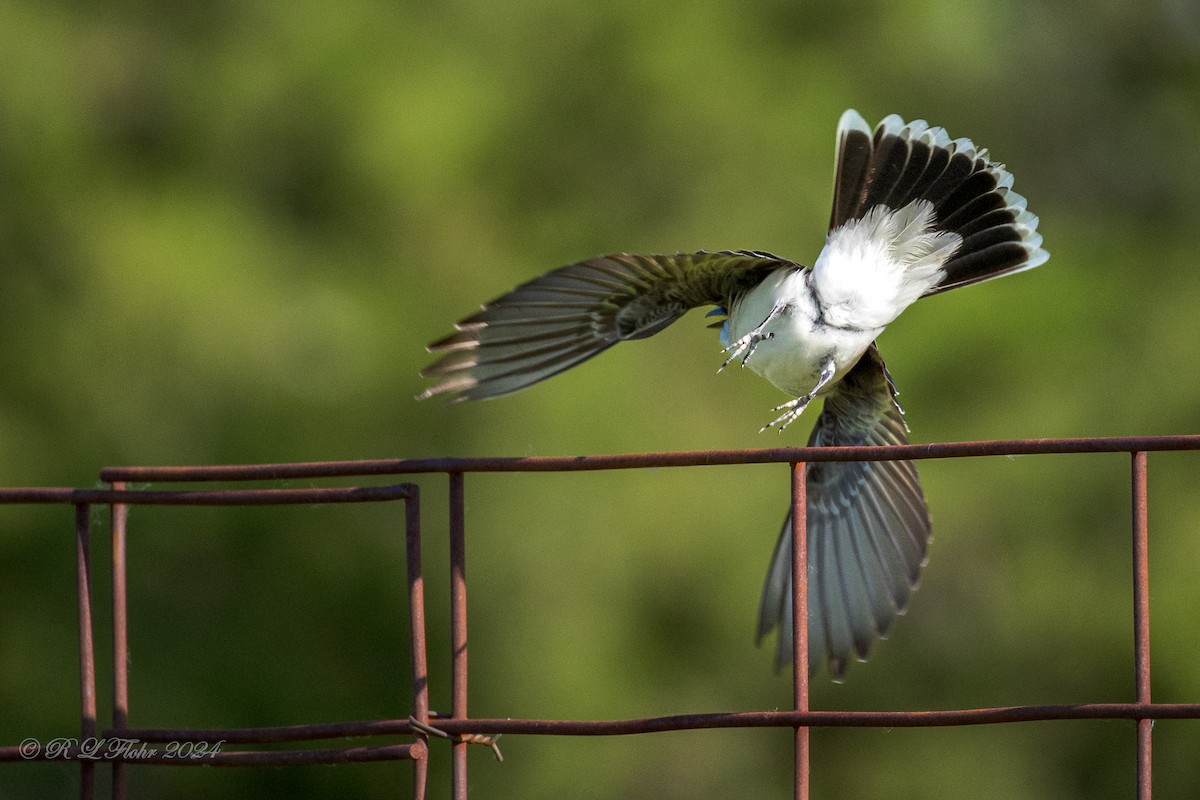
[572,313]
[868,530]
[902,162]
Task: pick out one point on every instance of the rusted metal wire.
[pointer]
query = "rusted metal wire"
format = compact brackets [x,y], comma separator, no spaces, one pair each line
[458,726]
[666,724]
[800,622]
[229,497]
[416,632]
[269,734]
[120,641]
[490,742]
[137,753]
[1141,618]
[458,630]
[783,455]
[87,650]
[825,719]
[130,743]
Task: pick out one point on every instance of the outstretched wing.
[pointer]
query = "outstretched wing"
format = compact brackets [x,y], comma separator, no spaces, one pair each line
[575,312]
[868,530]
[901,162]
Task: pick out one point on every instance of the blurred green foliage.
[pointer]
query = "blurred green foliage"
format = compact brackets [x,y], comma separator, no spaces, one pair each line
[228,229]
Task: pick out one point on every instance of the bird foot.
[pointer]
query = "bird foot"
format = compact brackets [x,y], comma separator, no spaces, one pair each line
[792,410]
[748,343]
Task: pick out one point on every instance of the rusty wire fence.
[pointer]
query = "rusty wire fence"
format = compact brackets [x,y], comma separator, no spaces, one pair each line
[421,731]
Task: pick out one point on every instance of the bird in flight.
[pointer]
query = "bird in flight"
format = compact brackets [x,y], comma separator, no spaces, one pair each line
[914,213]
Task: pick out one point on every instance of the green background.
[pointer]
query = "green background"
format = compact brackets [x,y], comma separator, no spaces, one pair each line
[228,229]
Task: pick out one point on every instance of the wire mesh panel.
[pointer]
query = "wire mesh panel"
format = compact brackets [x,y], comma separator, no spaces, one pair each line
[122,746]
[458,728]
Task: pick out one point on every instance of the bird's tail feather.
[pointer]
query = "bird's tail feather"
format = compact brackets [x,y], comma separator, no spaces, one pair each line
[868,530]
[899,163]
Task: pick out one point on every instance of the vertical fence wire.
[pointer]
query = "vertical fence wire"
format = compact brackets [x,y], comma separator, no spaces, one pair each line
[1141,618]
[799,534]
[416,615]
[458,626]
[87,649]
[120,633]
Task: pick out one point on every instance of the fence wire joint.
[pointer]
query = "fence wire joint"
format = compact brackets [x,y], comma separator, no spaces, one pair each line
[467,738]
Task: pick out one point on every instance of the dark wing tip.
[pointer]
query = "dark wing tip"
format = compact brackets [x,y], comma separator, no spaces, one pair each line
[575,312]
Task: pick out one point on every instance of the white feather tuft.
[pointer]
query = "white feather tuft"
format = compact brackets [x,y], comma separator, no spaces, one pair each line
[873,268]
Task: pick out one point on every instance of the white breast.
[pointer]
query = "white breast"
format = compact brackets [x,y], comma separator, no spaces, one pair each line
[869,271]
[801,342]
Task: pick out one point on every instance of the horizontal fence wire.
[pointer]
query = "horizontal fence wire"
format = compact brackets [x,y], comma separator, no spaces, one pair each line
[703,458]
[461,729]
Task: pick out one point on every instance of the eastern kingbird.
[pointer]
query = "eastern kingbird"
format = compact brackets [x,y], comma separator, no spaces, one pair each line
[914,213]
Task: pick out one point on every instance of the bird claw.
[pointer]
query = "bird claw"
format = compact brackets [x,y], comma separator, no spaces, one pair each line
[751,340]
[747,343]
[792,410]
